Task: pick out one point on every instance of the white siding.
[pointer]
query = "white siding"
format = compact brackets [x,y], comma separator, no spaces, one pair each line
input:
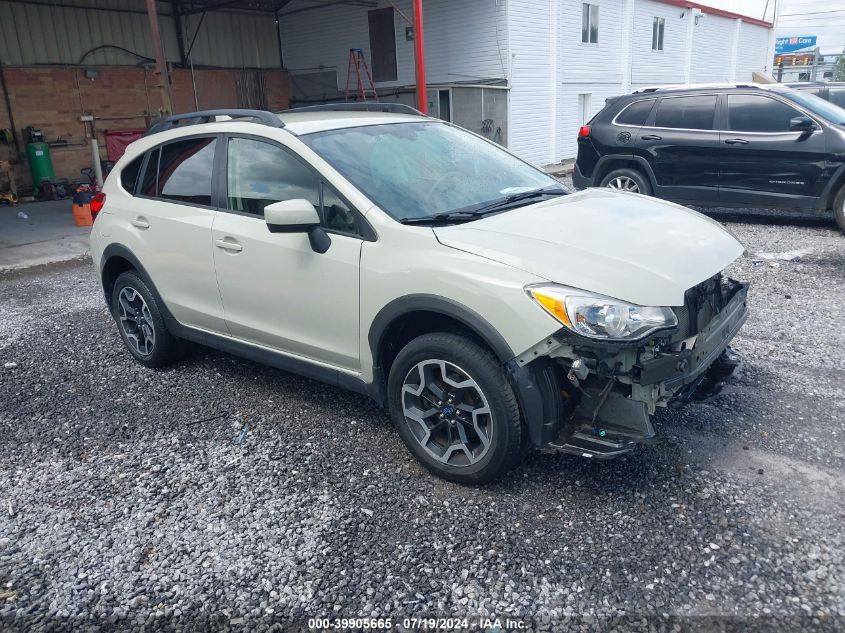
[465,41]
[532,90]
[655,67]
[752,51]
[591,63]
[712,42]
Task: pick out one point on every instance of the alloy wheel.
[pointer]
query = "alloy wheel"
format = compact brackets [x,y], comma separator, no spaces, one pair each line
[136,321]
[447,413]
[624,183]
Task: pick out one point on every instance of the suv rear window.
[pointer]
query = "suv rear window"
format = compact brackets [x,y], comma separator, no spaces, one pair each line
[688,113]
[184,171]
[635,113]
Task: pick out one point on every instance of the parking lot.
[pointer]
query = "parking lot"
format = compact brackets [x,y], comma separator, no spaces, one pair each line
[224,493]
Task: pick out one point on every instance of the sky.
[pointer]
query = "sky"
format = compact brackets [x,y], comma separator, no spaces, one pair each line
[823,18]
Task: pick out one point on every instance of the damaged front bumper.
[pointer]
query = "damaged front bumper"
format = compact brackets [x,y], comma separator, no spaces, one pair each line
[595,398]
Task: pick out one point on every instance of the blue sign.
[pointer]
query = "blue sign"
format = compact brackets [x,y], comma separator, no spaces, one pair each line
[793,44]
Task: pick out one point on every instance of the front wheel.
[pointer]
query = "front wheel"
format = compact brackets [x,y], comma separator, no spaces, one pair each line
[455,409]
[627,180]
[839,209]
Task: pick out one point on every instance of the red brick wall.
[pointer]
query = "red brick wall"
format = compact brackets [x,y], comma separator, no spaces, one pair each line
[53,98]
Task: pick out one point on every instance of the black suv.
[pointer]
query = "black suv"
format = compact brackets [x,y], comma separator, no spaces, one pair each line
[739,145]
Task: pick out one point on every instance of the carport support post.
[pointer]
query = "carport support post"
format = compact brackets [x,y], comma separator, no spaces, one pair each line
[419,57]
[161,67]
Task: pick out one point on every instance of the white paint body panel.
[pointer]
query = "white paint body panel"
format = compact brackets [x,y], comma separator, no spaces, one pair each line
[622,245]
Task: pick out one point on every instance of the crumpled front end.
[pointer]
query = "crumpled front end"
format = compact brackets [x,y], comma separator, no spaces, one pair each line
[596,398]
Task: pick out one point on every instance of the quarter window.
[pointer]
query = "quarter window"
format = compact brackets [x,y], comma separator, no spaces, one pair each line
[260,174]
[129,174]
[689,113]
[184,171]
[147,186]
[657,34]
[636,113]
[752,113]
[589,23]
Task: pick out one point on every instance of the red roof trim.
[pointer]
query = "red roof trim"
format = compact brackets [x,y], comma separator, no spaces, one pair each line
[725,14]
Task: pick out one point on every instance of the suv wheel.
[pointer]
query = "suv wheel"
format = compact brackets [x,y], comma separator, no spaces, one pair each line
[627,180]
[140,322]
[455,409]
[839,209]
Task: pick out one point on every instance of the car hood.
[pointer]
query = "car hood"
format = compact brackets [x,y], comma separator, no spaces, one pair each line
[623,245]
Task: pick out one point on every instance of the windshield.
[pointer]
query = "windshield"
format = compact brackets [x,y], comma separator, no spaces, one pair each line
[418,170]
[817,105]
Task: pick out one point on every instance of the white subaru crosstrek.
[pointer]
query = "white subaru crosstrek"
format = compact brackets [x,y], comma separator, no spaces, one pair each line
[396,255]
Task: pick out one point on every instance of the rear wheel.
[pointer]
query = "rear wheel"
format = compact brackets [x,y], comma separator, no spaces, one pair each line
[627,180]
[140,322]
[839,209]
[455,409]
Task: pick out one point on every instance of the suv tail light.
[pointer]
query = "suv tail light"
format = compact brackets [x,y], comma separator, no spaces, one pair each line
[97,203]
[584,131]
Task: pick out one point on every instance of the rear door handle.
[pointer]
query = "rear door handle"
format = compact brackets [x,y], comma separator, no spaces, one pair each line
[651,137]
[140,223]
[736,141]
[229,245]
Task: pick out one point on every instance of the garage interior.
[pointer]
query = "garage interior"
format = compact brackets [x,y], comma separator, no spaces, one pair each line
[73,71]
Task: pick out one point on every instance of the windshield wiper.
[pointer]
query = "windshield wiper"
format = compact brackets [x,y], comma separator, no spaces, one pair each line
[451,216]
[496,205]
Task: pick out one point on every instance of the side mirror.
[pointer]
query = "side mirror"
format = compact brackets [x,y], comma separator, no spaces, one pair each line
[291,216]
[297,216]
[801,124]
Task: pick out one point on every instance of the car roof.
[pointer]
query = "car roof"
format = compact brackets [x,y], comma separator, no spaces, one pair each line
[307,122]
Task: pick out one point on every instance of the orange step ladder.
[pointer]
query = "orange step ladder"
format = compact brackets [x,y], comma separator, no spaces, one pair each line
[357,64]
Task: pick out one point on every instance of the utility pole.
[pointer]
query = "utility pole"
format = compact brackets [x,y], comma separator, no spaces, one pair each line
[419,57]
[161,65]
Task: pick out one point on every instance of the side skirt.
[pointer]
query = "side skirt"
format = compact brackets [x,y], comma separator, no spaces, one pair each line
[270,357]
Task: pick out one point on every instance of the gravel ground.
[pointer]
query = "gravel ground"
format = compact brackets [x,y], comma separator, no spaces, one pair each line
[223,494]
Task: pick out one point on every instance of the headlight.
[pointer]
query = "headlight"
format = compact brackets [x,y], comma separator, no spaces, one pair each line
[600,317]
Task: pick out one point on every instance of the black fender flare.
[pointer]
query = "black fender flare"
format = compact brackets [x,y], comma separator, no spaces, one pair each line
[535,386]
[119,250]
[641,162]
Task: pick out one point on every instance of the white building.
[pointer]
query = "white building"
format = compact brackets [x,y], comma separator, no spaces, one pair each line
[527,73]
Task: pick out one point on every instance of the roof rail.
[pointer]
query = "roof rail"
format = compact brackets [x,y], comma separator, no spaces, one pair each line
[694,87]
[207,116]
[360,106]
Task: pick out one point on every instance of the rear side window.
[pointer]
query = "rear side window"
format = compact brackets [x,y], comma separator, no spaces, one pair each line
[129,174]
[636,113]
[688,113]
[753,113]
[184,171]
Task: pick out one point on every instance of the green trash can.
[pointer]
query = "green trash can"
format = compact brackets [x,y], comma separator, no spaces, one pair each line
[40,163]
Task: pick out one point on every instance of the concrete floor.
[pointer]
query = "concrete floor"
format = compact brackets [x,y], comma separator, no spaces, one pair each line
[47,235]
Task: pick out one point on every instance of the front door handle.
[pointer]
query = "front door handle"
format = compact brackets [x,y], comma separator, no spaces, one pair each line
[651,137]
[229,245]
[140,223]
[736,141]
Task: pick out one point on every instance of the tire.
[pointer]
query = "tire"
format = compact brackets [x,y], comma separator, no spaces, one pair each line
[146,339]
[627,180]
[416,383]
[839,209]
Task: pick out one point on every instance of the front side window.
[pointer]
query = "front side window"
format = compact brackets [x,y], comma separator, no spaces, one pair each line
[687,113]
[753,113]
[259,174]
[589,23]
[184,171]
[657,34]
[636,113]
[419,169]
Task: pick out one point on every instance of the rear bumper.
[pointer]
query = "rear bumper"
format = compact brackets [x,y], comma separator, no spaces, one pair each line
[580,180]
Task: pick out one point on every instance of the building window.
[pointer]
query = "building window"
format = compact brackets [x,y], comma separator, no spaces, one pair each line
[382,44]
[657,34]
[590,24]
